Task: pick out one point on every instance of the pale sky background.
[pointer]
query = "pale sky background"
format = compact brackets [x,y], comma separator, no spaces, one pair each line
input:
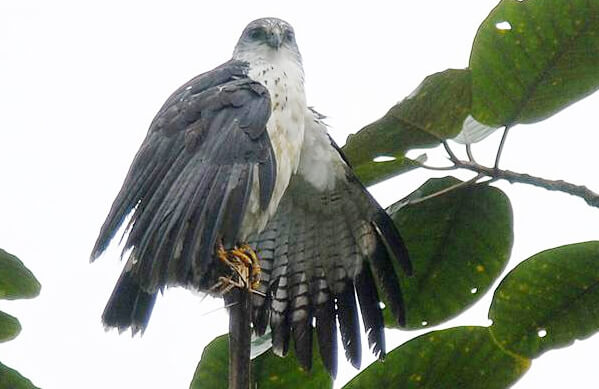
[80,83]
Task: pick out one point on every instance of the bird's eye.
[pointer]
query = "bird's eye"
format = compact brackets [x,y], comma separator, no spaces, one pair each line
[257,34]
[289,36]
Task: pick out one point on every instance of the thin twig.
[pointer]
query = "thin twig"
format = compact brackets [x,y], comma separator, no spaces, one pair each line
[452,156]
[395,207]
[469,152]
[583,192]
[454,167]
[494,174]
[501,144]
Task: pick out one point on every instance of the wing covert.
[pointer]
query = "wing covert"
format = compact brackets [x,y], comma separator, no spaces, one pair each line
[190,182]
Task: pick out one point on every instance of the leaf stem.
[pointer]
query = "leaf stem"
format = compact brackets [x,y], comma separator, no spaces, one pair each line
[469,152]
[452,156]
[501,145]
[439,193]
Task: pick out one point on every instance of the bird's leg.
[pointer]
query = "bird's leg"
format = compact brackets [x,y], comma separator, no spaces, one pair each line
[244,262]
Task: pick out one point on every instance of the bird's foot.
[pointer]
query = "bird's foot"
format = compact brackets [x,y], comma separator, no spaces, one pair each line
[245,264]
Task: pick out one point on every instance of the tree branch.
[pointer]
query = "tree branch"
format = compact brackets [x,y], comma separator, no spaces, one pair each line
[494,174]
[583,192]
[240,334]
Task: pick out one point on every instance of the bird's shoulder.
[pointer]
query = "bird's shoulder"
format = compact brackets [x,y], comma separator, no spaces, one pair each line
[226,87]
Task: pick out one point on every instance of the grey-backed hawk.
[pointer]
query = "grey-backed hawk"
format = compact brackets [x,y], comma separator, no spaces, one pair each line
[236,157]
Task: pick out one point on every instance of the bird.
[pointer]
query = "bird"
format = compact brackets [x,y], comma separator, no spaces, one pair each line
[238,172]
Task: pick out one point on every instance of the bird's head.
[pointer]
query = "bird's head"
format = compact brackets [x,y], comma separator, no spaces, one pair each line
[267,38]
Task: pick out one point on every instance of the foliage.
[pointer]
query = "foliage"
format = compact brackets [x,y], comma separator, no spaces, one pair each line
[529,60]
[268,370]
[459,244]
[11,379]
[461,357]
[16,281]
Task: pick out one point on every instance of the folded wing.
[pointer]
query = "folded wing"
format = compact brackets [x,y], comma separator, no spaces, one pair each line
[188,187]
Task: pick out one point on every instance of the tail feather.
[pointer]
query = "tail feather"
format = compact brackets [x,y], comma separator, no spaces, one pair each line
[347,315]
[326,330]
[129,305]
[372,315]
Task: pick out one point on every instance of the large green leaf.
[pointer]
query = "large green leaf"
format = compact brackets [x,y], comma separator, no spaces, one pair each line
[273,372]
[16,281]
[533,58]
[549,300]
[9,327]
[213,369]
[434,111]
[268,370]
[460,357]
[373,172]
[11,379]
[459,243]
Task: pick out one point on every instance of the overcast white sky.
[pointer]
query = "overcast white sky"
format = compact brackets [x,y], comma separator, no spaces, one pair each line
[79,85]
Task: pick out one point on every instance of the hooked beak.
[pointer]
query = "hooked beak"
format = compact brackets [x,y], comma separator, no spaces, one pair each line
[274,39]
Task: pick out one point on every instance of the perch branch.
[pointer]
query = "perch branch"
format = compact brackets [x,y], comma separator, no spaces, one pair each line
[239,302]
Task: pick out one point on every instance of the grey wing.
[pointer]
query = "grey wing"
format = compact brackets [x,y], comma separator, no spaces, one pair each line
[328,242]
[189,185]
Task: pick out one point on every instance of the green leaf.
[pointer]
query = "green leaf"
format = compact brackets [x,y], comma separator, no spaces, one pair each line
[460,357]
[16,281]
[213,369]
[9,327]
[374,172]
[459,243]
[268,370]
[549,300]
[532,58]
[434,111]
[11,379]
[273,372]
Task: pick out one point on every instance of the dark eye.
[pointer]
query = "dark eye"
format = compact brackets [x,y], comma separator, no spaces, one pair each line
[257,34]
[289,36]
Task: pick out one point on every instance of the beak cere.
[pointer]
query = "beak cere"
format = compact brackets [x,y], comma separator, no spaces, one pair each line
[274,39]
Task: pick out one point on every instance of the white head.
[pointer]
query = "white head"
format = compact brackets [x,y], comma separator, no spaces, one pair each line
[267,39]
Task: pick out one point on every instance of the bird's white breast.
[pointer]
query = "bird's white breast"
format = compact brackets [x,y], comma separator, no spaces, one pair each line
[284,80]
[320,164]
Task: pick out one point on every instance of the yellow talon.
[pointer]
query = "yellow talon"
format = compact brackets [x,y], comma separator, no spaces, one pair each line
[244,262]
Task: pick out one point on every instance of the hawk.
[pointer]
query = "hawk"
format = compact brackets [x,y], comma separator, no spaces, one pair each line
[235,161]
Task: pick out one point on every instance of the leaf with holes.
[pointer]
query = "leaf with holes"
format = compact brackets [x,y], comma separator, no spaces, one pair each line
[11,379]
[459,243]
[436,110]
[532,58]
[9,327]
[549,300]
[268,370]
[16,281]
[460,357]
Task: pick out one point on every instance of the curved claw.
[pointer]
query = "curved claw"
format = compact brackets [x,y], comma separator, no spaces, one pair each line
[245,263]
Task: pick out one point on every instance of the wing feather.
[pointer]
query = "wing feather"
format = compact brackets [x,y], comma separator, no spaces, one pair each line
[189,185]
[333,241]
